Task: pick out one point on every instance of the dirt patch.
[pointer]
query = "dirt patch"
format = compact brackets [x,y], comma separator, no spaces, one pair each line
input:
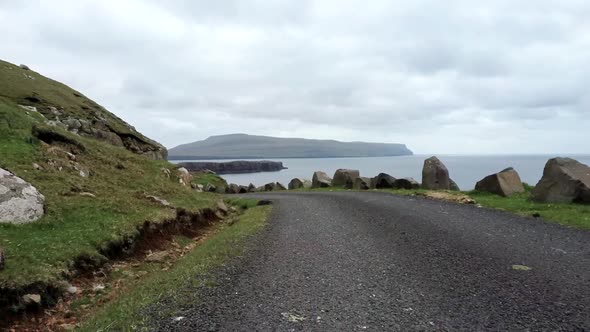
[92,278]
[447,196]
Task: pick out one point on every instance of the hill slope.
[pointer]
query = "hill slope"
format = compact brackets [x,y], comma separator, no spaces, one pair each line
[249,146]
[71,110]
[97,182]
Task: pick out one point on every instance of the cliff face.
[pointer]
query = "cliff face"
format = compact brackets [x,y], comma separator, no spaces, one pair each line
[64,107]
[233,167]
[238,146]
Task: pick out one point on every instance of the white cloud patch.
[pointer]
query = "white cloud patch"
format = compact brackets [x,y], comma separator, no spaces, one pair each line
[443,77]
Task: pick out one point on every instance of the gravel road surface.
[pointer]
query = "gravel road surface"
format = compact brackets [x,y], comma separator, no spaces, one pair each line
[347,261]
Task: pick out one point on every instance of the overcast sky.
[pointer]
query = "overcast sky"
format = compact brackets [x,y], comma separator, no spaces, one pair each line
[441,76]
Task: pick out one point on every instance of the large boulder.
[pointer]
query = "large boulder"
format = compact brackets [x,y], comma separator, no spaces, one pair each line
[184,176]
[453,185]
[344,178]
[435,175]
[361,183]
[382,181]
[296,184]
[320,180]
[564,180]
[233,189]
[20,202]
[274,186]
[504,183]
[406,183]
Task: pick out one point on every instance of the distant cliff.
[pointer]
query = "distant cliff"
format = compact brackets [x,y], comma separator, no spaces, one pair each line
[232,167]
[238,146]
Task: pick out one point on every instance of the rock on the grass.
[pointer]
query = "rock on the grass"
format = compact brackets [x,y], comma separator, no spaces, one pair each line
[184,177]
[210,188]
[233,189]
[345,178]
[435,175]
[29,299]
[361,183]
[504,183]
[564,180]
[320,180]
[296,183]
[382,181]
[20,202]
[406,183]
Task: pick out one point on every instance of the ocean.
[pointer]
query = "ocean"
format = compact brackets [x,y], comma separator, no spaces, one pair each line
[465,170]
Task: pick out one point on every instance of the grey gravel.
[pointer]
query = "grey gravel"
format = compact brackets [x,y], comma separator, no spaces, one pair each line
[346,261]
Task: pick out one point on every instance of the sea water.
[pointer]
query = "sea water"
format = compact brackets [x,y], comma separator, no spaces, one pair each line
[465,170]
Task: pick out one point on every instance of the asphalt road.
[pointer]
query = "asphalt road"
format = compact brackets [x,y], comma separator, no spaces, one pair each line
[370,261]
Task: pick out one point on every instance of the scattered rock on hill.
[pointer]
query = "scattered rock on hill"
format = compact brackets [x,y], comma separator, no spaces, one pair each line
[233,189]
[504,183]
[406,183]
[210,188]
[361,183]
[382,181]
[296,183]
[345,178]
[564,180]
[184,177]
[435,175]
[320,180]
[158,200]
[20,202]
[30,299]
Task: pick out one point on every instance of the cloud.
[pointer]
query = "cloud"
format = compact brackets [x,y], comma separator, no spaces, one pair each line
[452,77]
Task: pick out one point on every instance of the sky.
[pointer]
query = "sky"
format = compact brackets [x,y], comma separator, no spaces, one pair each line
[456,76]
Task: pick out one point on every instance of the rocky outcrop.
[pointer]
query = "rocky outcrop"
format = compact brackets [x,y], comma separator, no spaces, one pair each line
[382,181]
[361,183]
[320,180]
[20,202]
[435,175]
[296,183]
[406,183]
[564,180]
[234,167]
[184,177]
[504,183]
[344,178]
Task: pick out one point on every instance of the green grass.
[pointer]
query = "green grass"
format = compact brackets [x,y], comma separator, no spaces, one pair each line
[205,178]
[568,214]
[74,225]
[126,312]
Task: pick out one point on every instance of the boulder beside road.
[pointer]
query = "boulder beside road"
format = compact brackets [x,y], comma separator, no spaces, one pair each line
[345,178]
[504,183]
[564,180]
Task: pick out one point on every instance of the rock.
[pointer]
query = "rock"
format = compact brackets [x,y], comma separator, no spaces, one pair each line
[233,189]
[564,180]
[251,188]
[2,259]
[20,202]
[243,190]
[344,178]
[157,257]
[382,181]
[361,183]
[29,299]
[435,175]
[98,287]
[37,167]
[504,183]
[184,177]
[320,180]
[197,187]
[406,183]
[166,172]
[210,188]
[158,200]
[296,183]
[25,67]
[222,207]
[274,186]
[87,194]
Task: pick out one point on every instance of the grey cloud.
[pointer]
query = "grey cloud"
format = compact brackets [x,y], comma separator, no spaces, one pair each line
[351,70]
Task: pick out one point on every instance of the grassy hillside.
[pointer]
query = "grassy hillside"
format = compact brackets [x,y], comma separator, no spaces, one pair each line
[76,224]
